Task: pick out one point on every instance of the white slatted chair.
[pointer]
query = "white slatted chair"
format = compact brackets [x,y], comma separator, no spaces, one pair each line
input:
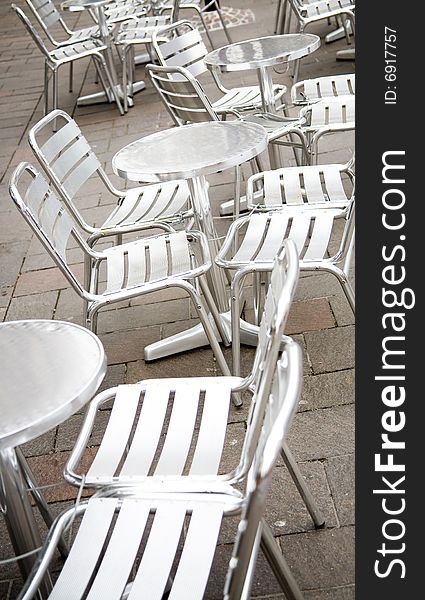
[69,162]
[142,444]
[66,54]
[311,90]
[328,116]
[186,49]
[135,544]
[252,242]
[146,265]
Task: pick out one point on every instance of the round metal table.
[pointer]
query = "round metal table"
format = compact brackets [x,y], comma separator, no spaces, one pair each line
[48,371]
[105,35]
[262,54]
[191,152]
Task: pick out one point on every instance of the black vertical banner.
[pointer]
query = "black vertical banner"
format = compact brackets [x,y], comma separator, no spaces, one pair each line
[390,231]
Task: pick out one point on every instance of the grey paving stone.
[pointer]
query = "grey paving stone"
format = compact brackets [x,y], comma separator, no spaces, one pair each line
[322,433]
[322,558]
[44,444]
[341,477]
[11,256]
[196,363]
[127,346]
[327,389]
[342,311]
[331,349]
[34,306]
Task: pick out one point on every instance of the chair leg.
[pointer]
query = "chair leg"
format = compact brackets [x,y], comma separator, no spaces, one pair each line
[278,564]
[223,24]
[235,313]
[124,77]
[71,74]
[306,495]
[43,507]
[46,88]
[207,33]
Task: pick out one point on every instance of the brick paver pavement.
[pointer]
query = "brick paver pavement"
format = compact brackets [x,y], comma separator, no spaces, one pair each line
[322,436]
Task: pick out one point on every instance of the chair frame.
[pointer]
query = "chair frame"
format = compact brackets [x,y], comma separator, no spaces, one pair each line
[61,225]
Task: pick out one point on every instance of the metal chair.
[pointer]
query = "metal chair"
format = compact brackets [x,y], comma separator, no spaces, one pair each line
[133,269]
[90,48]
[129,539]
[186,49]
[69,162]
[311,90]
[251,244]
[142,445]
[209,5]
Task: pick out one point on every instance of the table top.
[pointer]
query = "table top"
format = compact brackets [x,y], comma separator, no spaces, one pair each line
[48,371]
[262,52]
[190,151]
[77,5]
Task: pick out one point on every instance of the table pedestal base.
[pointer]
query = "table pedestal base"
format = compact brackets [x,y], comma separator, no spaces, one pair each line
[195,338]
[101,97]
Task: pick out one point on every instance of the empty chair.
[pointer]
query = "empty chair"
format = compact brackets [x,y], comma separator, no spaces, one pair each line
[146,265]
[69,162]
[186,49]
[53,60]
[135,544]
[252,242]
[330,86]
[141,444]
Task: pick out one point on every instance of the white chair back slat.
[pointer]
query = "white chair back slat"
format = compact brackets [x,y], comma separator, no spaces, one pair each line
[59,140]
[117,432]
[273,238]
[179,253]
[158,556]
[334,185]
[149,427]
[292,187]
[49,212]
[91,537]
[212,431]
[118,561]
[169,200]
[115,269]
[180,42]
[71,157]
[46,10]
[313,185]
[272,188]
[191,59]
[298,231]
[320,236]
[200,542]
[252,238]
[158,258]
[36,193]
[136,263]
[180,429]
[80,174]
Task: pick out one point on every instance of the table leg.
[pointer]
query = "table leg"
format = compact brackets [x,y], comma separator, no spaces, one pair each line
[267,97]
[18,515]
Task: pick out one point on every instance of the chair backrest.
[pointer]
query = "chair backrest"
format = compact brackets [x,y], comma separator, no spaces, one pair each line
[281,407]
[323,87]
[283,281]
[31,30]
[47,16]
[67,158]
[310,186]
[184,49]
[331,112]
[47,217]
[182,95]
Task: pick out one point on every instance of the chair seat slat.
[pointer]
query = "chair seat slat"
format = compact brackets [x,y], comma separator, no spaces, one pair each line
[273,239]
[154,569]
[90,537]
[334,185]
[200,544]
[212,431]
[292,187]
[320,236]
[116,566]
[158,258]
[252,238]
[180,429]
[117,432]
[272,188]
[298,231]
[179,251]
[313,185]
